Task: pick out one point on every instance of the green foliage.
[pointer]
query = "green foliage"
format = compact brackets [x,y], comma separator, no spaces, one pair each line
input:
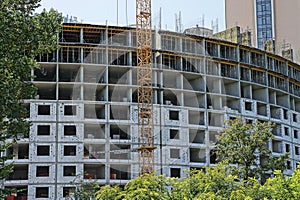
[86,191]
[281,187]
[182,188]
[244,145]
[240,144]
[148,187]
[278,187]
[109,193]
[23,36]
[204,184]
[215,183]
[215,180]
[294,183]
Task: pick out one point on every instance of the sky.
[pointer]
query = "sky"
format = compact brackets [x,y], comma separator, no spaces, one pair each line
[100,11]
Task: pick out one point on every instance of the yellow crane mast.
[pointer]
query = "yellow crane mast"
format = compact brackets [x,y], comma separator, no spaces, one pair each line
[144,83]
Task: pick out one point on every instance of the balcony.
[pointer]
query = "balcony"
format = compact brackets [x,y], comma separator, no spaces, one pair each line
[20,172]
[94,171]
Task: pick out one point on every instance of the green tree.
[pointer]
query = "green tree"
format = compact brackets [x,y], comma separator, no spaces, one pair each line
[182,187]
[85,191]
[209,183]
[147,187]
[252,189]
[144,187]
[110,193]
[245,145]
[281,187]
[295,183]
[215,183]
[23,36]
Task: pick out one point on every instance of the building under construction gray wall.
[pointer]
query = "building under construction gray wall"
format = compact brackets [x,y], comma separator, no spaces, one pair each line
[85,114]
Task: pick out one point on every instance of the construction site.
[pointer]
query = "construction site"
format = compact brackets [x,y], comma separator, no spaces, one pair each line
[90,122]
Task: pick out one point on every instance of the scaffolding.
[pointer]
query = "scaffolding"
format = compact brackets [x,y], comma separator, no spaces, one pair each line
[144,80]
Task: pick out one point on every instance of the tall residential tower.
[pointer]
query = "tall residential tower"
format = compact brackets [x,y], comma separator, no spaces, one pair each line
[267,19]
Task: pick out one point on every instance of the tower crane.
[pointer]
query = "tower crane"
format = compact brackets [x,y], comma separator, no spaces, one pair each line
[144,84]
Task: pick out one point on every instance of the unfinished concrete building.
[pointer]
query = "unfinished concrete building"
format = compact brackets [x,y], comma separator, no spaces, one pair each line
[85,114]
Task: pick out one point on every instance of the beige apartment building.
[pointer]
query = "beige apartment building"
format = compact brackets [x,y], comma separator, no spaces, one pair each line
[267,19]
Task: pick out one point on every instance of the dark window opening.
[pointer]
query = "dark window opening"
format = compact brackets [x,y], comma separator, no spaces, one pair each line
[213,135]
[43,130]
[119,132]
[213,157]
[42,171]
[46,92]
[69,130]
[285,114]
[208,100]
[249,121]
[212,49]
[70,110]
[288,165]
[197,155]
[287,148]
[73,36]
[174,153]
[175,172]
[174,115]
[93,37]
[244,74]
[277,146]
[95,131]
[20,172]
[20,194]
[295,134]
[248,106]
[69,150]
[95,151]
[69,74]
[69,92]
[42,192]
[26,113]
[297,150]
[277,130]
[69,55]
[294,117]
[23,151]
[43,150]
[95,171]
[174,134]
[69,171]
[197,136]
[44,110]
[67,191]
[119,173]
[232,118]
[45,73]
[286,131]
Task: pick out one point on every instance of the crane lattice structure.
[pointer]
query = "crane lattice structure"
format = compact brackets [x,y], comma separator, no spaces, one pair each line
[144,82]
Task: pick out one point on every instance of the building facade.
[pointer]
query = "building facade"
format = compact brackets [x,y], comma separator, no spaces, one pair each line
[267,19]
[85,114]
